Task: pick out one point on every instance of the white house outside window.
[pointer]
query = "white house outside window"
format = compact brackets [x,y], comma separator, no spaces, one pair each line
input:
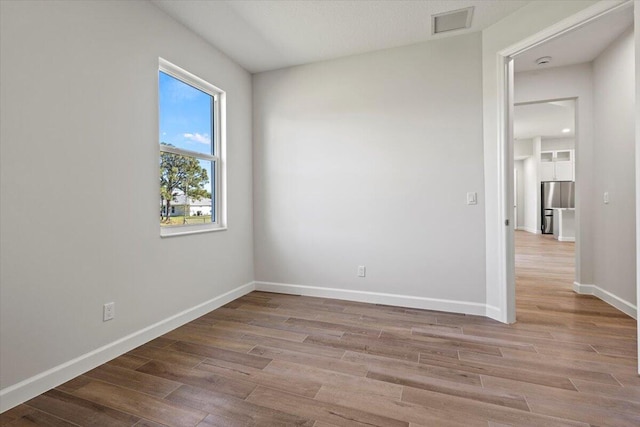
[192,168]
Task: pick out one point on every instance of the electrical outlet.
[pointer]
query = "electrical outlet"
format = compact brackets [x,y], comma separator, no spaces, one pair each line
[361,271]
[605,198]
[108,311]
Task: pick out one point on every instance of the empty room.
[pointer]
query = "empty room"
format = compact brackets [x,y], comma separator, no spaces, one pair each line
[319,213]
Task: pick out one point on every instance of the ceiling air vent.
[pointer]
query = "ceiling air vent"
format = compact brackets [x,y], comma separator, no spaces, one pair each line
[451,21]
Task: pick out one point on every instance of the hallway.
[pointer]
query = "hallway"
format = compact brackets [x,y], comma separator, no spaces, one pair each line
[544,287]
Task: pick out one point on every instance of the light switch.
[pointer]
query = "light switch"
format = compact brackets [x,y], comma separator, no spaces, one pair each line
[605,198]
[472,198]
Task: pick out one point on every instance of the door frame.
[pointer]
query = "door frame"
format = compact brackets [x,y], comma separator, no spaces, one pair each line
[505,78]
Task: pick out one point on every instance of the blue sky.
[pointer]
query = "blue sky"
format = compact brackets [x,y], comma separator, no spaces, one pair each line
[185,115]
[185,118]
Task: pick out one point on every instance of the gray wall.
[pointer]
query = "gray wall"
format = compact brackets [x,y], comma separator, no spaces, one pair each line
[80,123]
[522,148]
[363,161]
[531,217]
[551,144]
[614,259]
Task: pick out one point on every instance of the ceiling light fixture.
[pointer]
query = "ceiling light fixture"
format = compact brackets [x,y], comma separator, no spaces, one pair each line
[544,60]
[566,130]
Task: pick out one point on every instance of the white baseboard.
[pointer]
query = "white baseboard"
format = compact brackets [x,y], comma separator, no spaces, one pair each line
[31,387]
[529,230]
[494,313]
[624,306]
[376,298]
[566,239]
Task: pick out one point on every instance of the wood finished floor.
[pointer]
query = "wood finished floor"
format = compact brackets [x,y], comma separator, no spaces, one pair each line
[268,359]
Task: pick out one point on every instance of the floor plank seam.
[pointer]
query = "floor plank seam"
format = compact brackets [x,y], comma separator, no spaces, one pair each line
[51,415]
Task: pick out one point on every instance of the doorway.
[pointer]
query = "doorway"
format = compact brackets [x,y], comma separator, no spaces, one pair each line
[544,152]
[594,194]
[544,193]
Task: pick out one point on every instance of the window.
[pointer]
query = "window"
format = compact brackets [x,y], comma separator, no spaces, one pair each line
[191,137]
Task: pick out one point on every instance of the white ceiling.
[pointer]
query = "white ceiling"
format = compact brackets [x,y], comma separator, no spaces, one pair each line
[544,119]
[266,35]
[579,46]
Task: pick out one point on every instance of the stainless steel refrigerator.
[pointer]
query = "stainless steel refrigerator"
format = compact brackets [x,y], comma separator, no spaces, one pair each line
[555,194]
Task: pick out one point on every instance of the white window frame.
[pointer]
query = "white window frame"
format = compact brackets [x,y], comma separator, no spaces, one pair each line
[218,142]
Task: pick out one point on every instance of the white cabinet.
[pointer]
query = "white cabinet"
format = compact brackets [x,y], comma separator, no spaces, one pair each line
[564,171]
[547,171]
[557,165]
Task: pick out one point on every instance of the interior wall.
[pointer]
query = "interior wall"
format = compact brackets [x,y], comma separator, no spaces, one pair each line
[362,161]
[522,147]
[79,205]
[534,207]
[523,23]
[574,81]
[552,144]
[614,169]
[520,201]
[531,195]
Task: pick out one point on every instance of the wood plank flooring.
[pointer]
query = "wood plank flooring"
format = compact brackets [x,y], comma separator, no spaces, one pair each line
[279,360]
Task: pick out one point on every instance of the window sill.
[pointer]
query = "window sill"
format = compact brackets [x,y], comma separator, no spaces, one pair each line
[186,230]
